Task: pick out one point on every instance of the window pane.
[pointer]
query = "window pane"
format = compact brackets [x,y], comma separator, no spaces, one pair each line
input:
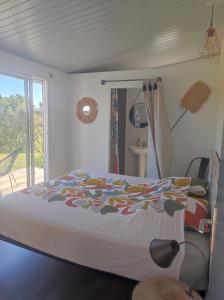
[13,129]
[38,120]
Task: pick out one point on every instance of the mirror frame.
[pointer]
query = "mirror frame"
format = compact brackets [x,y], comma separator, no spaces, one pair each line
[131,113]
[82,116]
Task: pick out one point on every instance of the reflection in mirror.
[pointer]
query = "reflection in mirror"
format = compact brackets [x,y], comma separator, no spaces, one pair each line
[125,134]
[137,115]
[86,109]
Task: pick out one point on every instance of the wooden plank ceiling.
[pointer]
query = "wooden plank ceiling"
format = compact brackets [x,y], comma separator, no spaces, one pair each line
[98,35]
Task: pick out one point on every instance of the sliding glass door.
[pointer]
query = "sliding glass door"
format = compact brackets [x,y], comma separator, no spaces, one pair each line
[22,147]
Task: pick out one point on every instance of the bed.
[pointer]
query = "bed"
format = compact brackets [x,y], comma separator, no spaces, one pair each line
[100,220]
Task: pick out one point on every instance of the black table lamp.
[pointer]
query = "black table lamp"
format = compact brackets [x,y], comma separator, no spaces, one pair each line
[163,253]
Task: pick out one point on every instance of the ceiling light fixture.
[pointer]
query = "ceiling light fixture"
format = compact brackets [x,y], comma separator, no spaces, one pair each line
[210,46]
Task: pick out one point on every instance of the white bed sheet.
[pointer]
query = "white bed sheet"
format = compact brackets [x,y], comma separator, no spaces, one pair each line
[113,243]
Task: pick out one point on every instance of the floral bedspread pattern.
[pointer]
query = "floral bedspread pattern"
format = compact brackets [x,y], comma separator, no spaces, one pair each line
[108,195]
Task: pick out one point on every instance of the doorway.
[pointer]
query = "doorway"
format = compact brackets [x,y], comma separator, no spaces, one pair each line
[22,132]
[128,132]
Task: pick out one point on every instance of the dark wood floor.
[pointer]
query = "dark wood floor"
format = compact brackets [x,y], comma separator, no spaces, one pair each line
[25,275]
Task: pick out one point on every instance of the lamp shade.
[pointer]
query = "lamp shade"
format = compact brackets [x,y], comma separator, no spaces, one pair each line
[163,252]
[210,46]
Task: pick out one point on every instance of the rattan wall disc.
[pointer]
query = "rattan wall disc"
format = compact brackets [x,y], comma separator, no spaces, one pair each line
[86,110]
[196,96]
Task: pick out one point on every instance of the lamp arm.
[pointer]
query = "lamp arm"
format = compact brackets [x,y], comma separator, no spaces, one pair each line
[189,292]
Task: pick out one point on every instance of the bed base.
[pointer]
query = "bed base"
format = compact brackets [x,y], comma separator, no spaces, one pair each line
[14,242]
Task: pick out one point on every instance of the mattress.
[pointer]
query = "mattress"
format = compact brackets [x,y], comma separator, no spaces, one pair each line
[97,220]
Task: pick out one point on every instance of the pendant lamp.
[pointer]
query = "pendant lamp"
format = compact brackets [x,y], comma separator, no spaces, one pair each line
[210,46]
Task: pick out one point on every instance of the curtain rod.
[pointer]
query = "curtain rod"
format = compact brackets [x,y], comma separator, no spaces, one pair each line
[103,82]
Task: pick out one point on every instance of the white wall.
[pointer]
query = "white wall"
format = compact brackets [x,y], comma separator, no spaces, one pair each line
[220,103]
[57,113]
[195,135]
[73,144]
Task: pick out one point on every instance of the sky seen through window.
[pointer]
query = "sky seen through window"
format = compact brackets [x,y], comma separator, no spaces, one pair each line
[10,86]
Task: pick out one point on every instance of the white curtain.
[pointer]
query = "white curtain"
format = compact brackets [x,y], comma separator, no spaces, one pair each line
[114,153]
[159,137]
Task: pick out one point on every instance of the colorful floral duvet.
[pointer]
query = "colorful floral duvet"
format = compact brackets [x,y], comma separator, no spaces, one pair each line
[99,220]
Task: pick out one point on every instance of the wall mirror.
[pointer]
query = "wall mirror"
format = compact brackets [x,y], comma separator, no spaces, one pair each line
[87,110]
[138,116]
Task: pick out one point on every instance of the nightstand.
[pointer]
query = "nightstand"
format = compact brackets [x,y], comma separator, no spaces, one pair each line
[162,288]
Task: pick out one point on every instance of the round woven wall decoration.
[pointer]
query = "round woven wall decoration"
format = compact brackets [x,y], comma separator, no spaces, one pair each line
[86,110]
